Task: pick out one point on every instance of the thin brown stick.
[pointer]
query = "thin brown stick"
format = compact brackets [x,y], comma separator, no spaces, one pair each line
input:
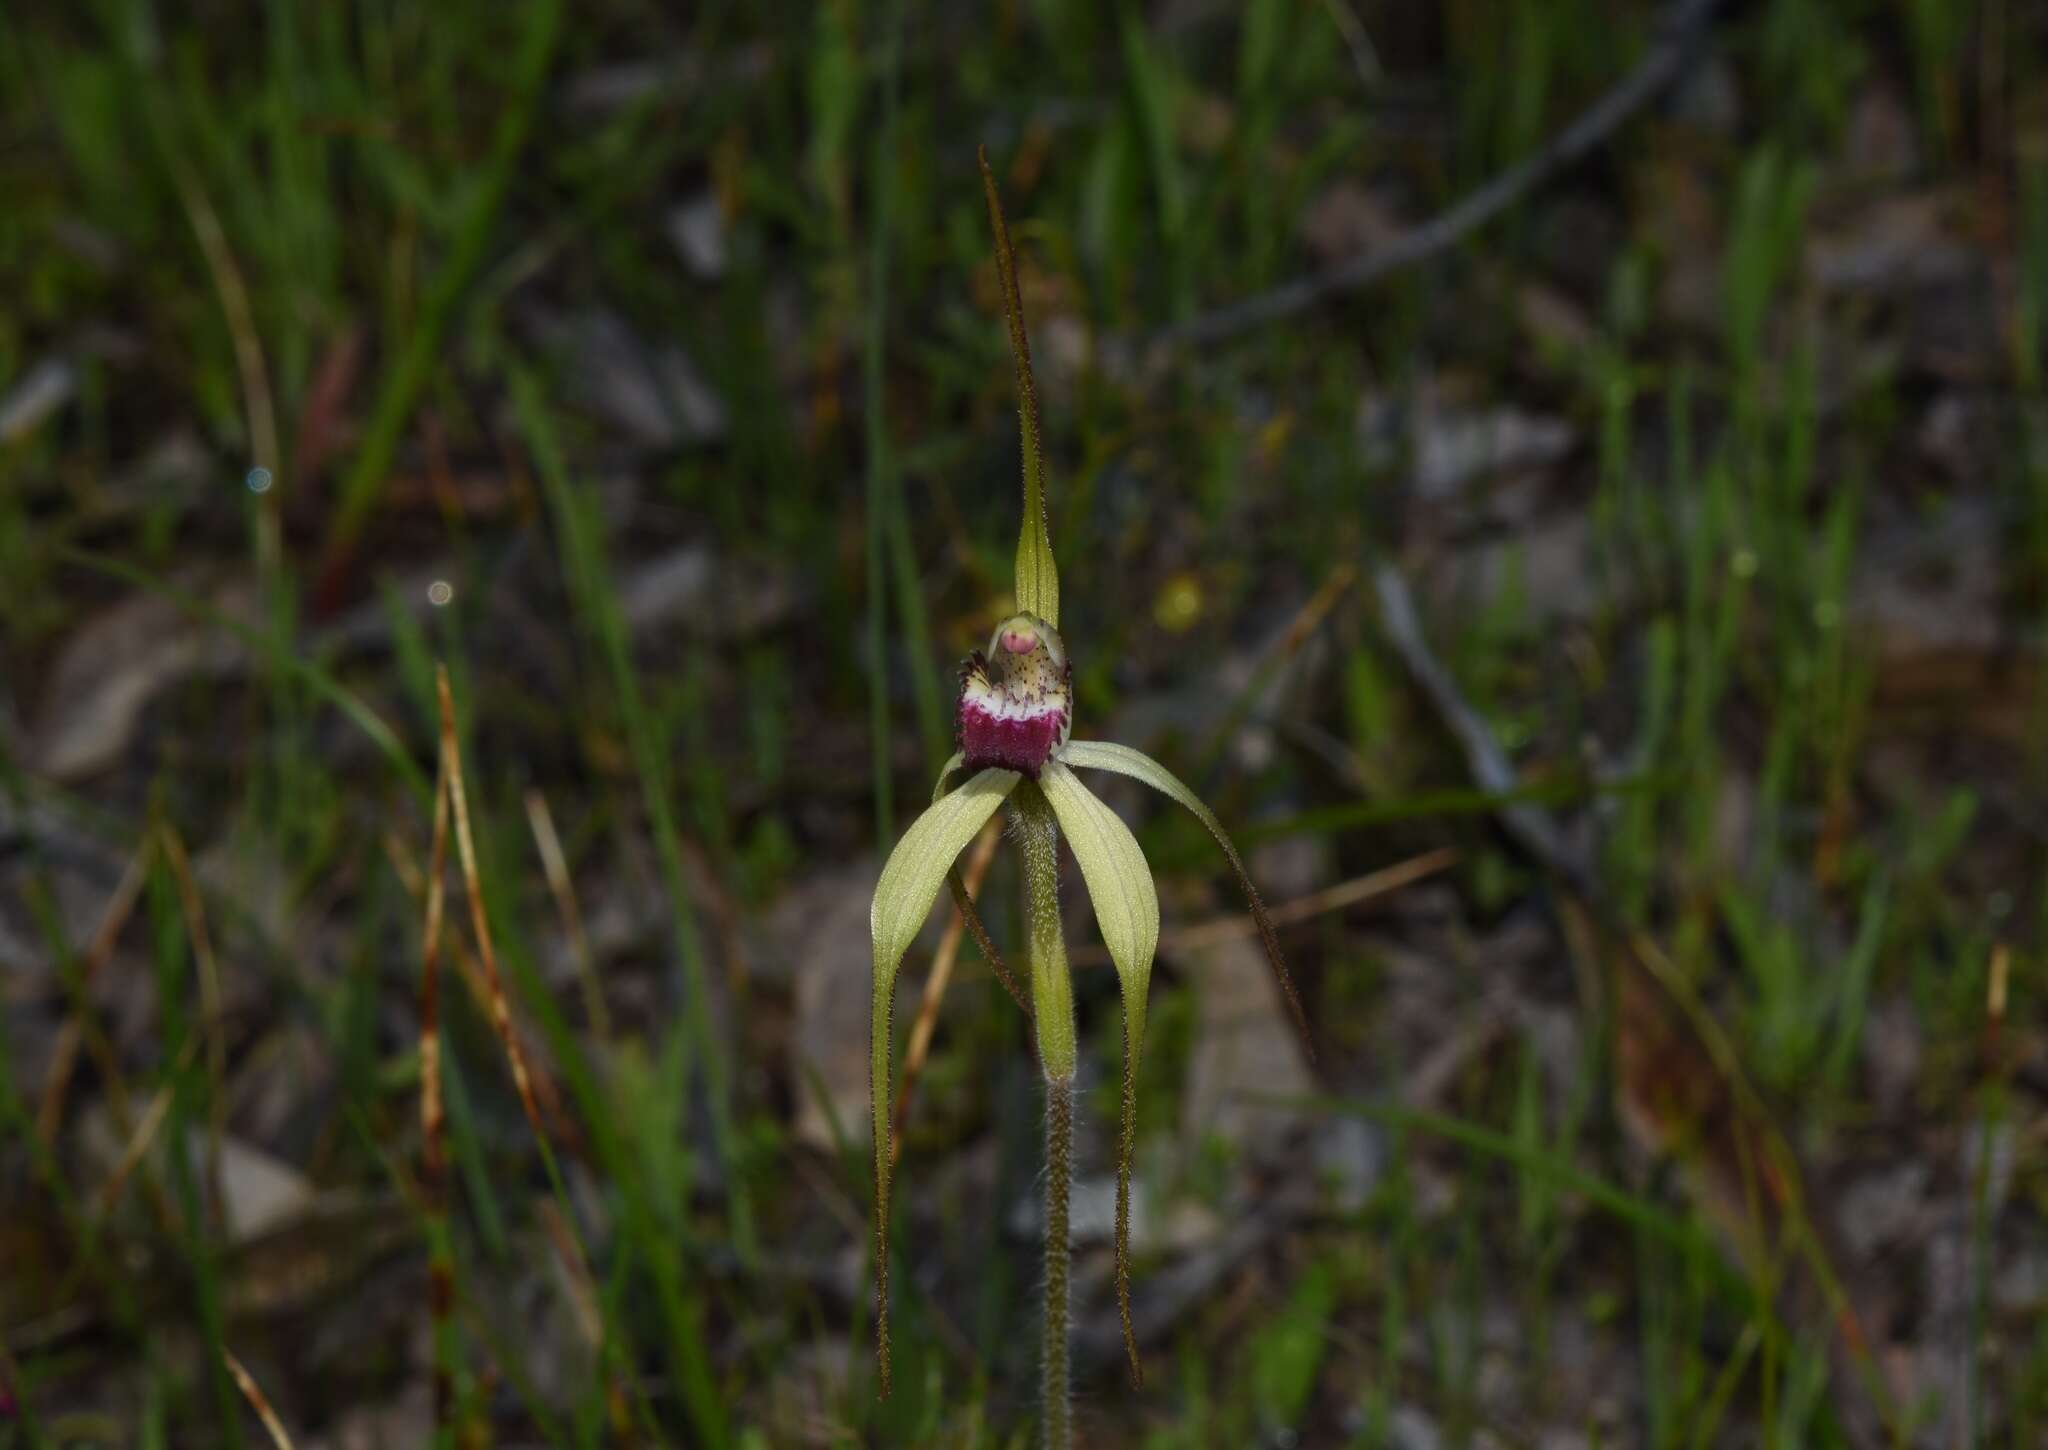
[563,888]
[1291,913]
[1668,58]
[258,1402]
[935,986]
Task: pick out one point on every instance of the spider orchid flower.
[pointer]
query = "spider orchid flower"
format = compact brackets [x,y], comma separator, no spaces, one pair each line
[1015,723]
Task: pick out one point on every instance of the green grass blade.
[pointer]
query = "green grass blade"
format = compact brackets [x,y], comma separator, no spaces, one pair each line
[323,683]
[584,562]
[881,480]
[365,479]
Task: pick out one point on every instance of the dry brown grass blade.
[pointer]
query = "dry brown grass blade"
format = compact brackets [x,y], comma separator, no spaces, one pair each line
[479,920]
[253,1393]
[582,1291]
[581,1288]
[71,1035]
[138,1141]
[434,1116]
[467,967]
[215,1032]
[935,985]
[563,887]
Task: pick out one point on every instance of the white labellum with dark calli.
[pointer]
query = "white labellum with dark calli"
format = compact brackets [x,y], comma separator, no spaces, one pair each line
[1016,699]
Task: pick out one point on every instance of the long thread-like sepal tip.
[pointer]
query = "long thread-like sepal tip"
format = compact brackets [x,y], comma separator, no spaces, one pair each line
[1038,584]
[1125,1148]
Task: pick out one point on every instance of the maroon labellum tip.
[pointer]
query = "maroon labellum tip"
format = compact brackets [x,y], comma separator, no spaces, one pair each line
[1016,699]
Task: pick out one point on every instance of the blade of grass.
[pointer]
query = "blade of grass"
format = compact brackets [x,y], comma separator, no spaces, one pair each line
[563,888]
[1431,804]
[246,1383]
[584,563]
[434,1126]
[320,680]
[880,479]
[423,349]
[170,948]
[211,1026]
[523,1076]
[1630,1208]
[487,1331]
[70,1036]
[479,919]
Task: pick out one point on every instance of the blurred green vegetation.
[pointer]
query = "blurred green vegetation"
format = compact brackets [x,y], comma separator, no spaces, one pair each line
[351,245]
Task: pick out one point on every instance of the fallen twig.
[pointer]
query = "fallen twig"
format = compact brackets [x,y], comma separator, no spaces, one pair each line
[1532,826]
[1668,57]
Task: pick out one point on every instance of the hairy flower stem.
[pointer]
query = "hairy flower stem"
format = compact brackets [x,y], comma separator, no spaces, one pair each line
[1052,992]
[1059,1153]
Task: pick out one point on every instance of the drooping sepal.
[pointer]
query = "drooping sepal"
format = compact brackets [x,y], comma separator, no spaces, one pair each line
[903,898]
[1127,913]
[1108,755]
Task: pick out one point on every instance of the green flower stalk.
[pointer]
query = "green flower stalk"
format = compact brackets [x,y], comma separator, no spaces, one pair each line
[1015,723]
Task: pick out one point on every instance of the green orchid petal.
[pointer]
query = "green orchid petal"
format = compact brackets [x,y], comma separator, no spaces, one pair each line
[903,899]
[1108,755]
[1119,882]
[1038,582]
[1127,911]
[964,904]
[946,772]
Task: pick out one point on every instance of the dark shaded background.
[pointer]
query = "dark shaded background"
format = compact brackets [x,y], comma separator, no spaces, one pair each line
[1683,1083]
